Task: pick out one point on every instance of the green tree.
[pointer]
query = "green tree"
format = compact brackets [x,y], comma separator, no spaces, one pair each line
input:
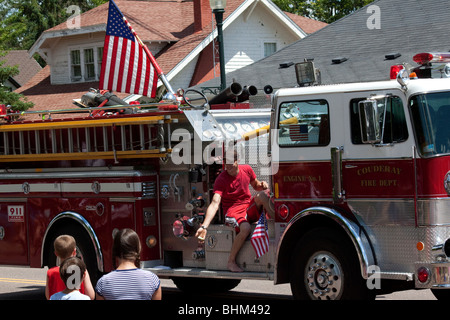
[23,21]
[323,10]
[16,100]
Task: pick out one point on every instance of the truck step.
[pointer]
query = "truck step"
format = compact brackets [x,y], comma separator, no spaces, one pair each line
[166,272]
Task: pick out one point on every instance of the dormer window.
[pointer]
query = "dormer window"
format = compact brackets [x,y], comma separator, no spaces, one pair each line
[89,64]
[75,66]
[85,64]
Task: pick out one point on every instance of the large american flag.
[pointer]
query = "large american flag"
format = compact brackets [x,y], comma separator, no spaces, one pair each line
[127,64]
[260,237]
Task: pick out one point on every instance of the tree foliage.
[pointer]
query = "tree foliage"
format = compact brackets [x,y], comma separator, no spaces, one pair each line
[323,10]
[23,21]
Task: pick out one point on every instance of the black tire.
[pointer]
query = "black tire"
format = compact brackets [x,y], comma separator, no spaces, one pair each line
[324,266]
[204,285]
[85,249]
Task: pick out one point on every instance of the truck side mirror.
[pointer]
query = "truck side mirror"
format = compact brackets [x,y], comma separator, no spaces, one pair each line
[368,117]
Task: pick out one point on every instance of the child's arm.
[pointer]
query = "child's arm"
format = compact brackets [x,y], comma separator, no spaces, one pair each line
[99,297]
[88,288]
[158,294]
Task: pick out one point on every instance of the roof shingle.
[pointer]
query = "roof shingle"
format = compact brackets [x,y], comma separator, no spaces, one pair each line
[28,67]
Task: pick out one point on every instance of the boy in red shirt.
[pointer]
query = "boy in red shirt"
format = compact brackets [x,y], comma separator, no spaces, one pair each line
[232,189]
[65,247]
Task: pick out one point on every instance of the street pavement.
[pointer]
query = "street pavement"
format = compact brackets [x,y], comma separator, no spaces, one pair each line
[29,284]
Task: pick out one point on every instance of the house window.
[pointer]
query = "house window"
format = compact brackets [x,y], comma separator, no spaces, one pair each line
[89,64]
[85,64]
[75,63]
[269,48]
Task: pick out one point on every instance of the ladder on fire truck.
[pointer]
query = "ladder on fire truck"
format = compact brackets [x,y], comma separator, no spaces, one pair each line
[137,135]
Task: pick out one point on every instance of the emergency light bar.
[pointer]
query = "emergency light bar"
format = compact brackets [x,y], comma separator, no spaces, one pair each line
[396,69]
[426,57]
[425,69]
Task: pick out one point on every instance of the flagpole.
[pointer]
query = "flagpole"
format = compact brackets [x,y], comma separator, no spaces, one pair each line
[161,75]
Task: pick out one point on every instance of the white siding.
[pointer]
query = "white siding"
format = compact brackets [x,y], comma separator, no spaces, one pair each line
[244,40]
[60,54]
[183,78]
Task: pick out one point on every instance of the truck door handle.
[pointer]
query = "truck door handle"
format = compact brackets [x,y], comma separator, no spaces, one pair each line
[336,174]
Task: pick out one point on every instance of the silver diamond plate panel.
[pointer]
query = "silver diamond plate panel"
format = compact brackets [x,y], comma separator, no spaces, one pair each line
[391,227]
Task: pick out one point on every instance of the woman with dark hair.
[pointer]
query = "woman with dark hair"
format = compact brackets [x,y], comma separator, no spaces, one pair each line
[128,281]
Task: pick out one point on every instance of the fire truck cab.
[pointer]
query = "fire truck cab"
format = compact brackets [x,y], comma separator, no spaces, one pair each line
[363,187]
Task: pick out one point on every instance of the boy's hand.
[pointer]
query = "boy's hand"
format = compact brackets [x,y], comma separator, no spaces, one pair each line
[201,234]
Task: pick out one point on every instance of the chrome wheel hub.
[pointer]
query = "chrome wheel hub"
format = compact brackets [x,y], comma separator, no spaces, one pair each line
[323,276]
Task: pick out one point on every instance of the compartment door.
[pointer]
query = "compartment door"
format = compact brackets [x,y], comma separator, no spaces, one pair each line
[13,233]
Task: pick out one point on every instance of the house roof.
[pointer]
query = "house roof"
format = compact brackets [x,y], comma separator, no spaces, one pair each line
[149,19]
[50,97]
[28,67]
[46,96]
[308,25]
[407,27]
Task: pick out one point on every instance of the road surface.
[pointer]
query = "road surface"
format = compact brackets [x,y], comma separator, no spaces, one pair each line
[29,284]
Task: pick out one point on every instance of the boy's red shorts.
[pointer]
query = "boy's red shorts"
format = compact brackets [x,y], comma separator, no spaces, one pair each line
[243,213]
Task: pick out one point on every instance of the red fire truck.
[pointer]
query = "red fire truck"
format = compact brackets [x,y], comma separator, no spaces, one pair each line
[359,175]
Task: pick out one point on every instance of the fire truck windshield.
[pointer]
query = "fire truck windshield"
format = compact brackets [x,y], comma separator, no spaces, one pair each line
[431,118]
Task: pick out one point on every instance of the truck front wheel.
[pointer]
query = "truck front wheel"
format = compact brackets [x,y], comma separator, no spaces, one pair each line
[324,266]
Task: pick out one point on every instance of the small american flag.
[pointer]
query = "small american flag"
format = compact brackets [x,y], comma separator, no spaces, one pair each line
[260,237]
[298,132]
[127,66]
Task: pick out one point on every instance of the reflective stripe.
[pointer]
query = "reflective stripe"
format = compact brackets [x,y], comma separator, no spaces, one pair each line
[72,187]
